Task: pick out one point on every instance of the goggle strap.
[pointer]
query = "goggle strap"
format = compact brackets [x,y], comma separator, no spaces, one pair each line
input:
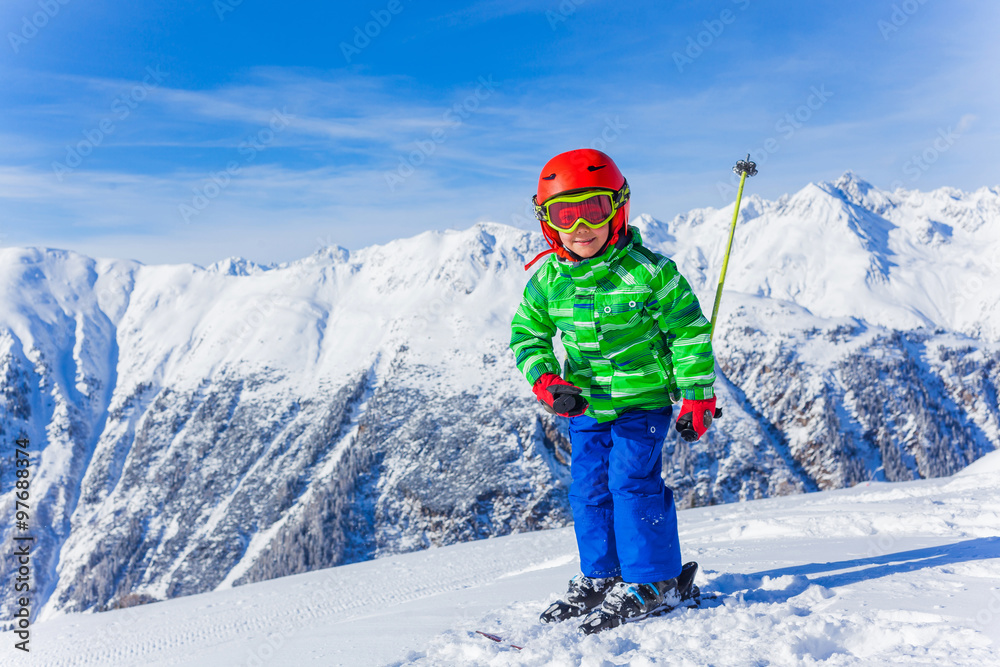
[539,209]
[538,257]
[621,196]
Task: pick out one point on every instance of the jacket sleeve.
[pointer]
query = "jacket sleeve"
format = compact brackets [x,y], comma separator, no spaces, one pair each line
[531,334]
[678,315]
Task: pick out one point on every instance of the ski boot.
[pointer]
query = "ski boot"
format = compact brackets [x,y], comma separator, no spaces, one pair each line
[632,602]
[584,594]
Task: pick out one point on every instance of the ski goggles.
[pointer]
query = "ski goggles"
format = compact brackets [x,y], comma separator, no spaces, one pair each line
[594,208]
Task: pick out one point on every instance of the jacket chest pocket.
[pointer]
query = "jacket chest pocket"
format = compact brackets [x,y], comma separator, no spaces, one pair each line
[621,308]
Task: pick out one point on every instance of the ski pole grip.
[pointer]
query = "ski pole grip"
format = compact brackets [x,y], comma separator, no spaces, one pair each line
[564,403]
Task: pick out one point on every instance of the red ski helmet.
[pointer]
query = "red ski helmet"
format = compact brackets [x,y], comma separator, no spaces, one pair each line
[579,170]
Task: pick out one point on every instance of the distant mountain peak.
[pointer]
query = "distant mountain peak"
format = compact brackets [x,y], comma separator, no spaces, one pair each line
[850,187]
[855,190]
[850,179]
[237,266]
[335,253]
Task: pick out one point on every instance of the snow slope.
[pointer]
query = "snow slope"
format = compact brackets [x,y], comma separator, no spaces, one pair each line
[880,574]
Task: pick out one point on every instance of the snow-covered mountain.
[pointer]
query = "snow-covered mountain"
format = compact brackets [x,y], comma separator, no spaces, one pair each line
[880,574]
[195,429]
[198,428]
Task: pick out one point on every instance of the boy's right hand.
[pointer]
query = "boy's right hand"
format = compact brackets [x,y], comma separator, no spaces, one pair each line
[558,396]
[696,417]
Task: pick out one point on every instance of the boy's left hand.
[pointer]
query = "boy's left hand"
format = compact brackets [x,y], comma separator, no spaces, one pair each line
[558,396]
[696,417]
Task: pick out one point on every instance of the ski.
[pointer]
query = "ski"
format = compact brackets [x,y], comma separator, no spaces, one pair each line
[696,600]
[498,639]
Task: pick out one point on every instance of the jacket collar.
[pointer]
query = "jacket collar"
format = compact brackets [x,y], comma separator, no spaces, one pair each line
[589,271]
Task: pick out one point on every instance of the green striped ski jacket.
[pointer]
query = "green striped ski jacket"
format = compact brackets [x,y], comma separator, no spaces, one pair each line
[634,333]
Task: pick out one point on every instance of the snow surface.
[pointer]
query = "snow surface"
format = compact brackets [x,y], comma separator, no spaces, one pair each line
[879,574]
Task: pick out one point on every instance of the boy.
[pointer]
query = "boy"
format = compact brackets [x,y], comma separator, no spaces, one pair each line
[635,340]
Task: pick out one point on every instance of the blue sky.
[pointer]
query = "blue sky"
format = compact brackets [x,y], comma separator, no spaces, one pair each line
[190,131]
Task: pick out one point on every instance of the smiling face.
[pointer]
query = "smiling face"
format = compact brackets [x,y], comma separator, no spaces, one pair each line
[584,241]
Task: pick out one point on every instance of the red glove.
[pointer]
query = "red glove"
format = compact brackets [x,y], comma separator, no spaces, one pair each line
[558,396]
[696,417]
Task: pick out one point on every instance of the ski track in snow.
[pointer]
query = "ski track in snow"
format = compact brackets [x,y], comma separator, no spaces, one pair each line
[881,574]
[172,632]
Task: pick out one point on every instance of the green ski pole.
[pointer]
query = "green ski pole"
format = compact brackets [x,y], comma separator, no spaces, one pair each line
[744,168]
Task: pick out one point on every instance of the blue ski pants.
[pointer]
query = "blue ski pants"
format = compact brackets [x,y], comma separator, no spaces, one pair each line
[624,515]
